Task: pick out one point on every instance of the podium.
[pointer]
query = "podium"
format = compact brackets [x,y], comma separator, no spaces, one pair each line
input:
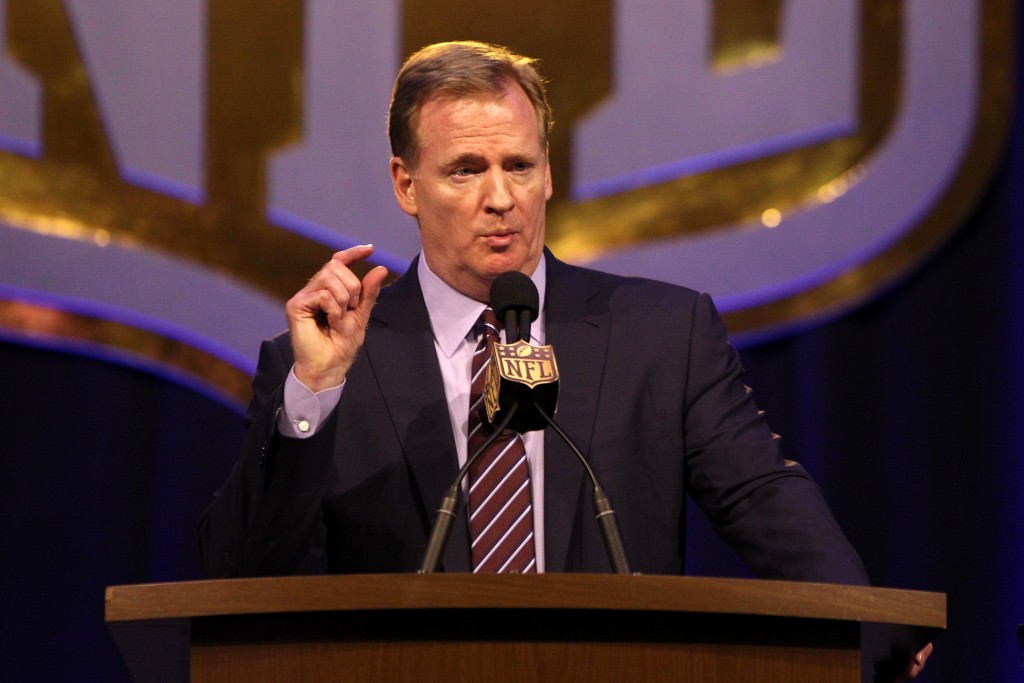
[495,628]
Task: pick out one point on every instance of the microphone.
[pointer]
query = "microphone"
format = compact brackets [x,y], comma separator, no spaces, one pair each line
[515,302]
[524,377]
[519,373]
[521,377]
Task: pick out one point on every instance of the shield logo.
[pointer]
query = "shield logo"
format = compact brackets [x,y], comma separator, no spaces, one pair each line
[520,372]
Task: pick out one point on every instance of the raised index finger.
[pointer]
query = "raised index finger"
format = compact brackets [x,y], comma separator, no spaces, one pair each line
[345,276]
[353,254]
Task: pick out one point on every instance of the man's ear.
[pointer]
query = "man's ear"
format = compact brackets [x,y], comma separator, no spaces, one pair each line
[401,180]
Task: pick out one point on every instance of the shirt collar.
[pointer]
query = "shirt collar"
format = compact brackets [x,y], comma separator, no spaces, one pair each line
[453,314]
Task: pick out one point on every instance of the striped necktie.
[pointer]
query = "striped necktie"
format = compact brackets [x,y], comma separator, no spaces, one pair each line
[500,499]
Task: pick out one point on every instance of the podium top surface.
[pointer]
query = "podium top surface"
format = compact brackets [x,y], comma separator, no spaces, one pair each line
[536,591]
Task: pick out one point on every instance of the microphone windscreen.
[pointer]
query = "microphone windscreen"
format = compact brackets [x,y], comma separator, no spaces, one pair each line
[514,291]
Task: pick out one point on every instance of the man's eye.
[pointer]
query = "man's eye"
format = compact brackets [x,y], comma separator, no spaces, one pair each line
[463,171]
[521,167]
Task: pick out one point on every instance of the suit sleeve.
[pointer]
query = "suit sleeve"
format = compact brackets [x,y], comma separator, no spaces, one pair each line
[767,508]
[267,519]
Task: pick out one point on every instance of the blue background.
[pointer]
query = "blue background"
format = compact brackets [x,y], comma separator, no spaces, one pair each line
[908,411]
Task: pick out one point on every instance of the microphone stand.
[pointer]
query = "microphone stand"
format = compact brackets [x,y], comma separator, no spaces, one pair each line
[442,528]
[602,505]
[603,510]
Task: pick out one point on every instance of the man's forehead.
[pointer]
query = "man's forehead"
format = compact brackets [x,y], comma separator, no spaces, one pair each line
[465,108]
[481,90]
[454,102]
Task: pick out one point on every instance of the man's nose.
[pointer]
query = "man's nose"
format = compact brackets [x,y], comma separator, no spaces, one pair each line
[499,197]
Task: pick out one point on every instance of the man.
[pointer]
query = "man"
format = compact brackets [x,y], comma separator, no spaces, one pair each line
[359,419]
[360,416]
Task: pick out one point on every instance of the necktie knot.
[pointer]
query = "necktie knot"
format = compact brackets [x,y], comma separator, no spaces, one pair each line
[488,326]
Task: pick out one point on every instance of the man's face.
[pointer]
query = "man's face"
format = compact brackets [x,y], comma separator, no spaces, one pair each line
[479,189]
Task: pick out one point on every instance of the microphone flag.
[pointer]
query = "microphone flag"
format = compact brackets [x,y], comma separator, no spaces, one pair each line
[521,373]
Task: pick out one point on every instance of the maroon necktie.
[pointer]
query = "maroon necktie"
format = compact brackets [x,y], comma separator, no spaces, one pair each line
[500,500]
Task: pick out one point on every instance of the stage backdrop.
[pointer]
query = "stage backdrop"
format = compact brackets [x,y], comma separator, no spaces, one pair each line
[836,174]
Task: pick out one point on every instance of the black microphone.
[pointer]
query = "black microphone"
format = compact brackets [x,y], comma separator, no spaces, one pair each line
[519,373]
[524,377]
[521,394]
[514,297]
[515,302]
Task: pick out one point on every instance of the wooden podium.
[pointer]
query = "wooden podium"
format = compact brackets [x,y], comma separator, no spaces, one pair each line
[548,627]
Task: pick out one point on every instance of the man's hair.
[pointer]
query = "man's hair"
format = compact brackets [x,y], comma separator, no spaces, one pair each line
[456,70]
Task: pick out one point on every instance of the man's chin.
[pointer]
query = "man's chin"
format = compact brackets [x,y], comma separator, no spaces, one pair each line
[495,266]
[503,260]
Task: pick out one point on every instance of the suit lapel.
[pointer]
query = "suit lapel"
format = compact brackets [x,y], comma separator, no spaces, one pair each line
[399,348]
[578,330]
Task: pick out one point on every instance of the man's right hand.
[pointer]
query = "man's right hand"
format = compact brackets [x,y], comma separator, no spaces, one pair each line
[328,317]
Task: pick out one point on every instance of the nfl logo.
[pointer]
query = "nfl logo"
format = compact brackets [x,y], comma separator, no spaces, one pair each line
[523,367]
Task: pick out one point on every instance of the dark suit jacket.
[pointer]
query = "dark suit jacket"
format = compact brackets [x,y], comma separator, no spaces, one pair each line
[650,389]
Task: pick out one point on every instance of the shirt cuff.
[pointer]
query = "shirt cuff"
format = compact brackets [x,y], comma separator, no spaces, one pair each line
[304,411]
